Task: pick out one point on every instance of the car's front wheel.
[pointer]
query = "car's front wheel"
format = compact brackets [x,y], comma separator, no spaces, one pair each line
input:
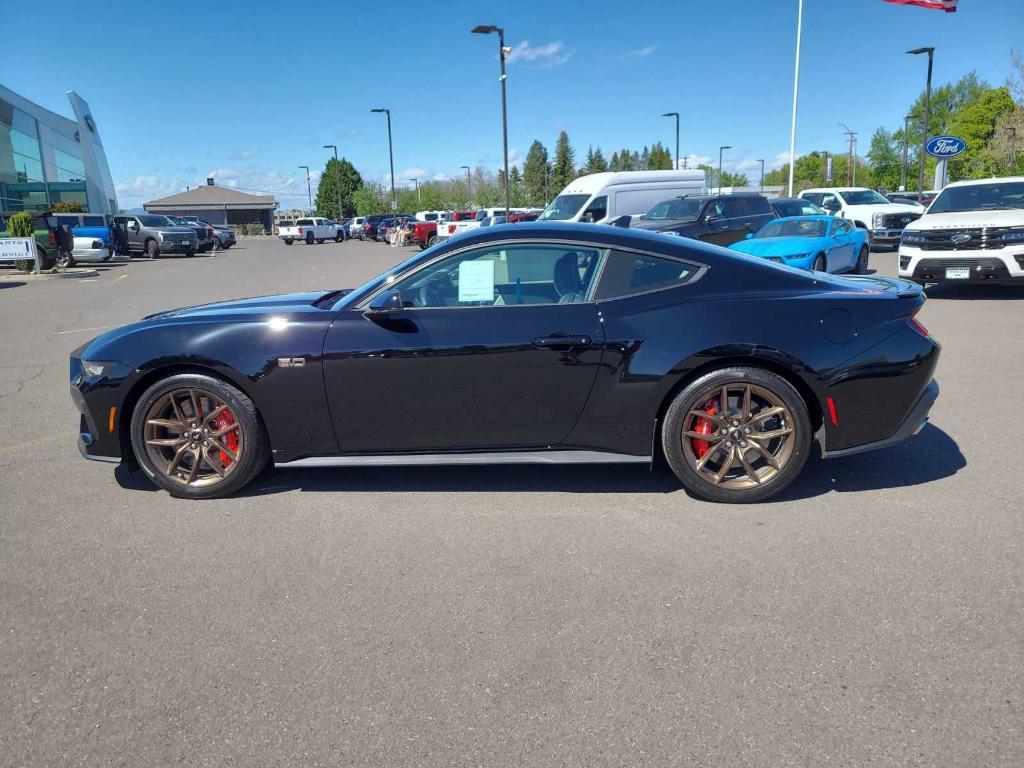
[198,437]
[737,435]
[819,263]
[309,238]
[153,249]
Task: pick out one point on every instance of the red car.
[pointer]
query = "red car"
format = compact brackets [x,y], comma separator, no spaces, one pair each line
[425,232]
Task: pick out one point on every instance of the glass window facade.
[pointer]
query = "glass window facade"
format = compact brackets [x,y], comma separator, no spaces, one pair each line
[42,161]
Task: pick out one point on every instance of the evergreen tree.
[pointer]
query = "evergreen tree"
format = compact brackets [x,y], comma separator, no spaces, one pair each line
[563,170]
[614,165]
[327,189]
[516,188]
[645,159]
[600,164]
[535,173]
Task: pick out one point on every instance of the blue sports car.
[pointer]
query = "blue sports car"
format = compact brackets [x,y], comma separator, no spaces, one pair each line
[822,243]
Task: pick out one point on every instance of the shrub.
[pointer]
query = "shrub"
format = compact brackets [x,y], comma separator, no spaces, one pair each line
[20,225]
[253,230]
[67,207]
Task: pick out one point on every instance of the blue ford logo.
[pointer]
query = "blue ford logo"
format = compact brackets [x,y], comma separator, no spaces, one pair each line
[945,146]
[963,237]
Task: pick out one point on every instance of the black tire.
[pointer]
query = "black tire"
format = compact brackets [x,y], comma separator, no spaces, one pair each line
[432,241]
[218,243]
[108,257]
[820,265]
[152,249]
[252,460]
[687,400]
[309,238]
[65,260]
[862,261]
[338,237]
[288,241]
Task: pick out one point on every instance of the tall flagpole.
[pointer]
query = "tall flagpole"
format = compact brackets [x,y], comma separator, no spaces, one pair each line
[796,90]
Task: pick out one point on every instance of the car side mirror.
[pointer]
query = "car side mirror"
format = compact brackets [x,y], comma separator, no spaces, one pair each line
[386,302]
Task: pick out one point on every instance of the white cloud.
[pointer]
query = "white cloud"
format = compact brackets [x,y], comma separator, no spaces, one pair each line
[548,55]
[641,53]
[244,154]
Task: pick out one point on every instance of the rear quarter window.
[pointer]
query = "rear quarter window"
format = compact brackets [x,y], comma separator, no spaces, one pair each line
[627,274]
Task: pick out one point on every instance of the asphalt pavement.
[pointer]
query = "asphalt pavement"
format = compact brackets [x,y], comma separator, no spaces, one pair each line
[873,614]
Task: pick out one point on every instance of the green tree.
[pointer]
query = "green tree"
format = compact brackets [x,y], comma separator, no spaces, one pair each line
[64,206]
[368,199]
[660,158]
[563,170]
[535,173]
[976,124]
[517,188]
[327,189]
[885,155]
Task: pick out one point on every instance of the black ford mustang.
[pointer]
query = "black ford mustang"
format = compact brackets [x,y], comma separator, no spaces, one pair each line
[521,343]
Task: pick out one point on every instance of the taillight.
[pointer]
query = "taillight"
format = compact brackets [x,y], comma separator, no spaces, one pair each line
[833,414]
[917,326]
[300,230]
[53,238]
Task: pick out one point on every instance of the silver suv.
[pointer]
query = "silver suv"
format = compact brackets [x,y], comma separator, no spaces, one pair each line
[155,235]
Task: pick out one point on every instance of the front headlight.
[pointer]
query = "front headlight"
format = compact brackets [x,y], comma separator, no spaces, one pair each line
[912,238]
[94,368]
[878,220]
[796,256]
[1013,236]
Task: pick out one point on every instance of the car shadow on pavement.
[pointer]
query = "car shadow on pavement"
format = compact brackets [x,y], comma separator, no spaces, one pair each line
[11,283]
[927,456]
[975,291]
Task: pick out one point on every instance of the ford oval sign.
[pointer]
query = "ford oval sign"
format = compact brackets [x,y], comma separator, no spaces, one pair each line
[945,146]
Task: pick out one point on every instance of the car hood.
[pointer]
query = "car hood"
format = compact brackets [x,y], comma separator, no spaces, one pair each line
[182,230]
[780,246]
[965,219]
[886,208]
[259,305]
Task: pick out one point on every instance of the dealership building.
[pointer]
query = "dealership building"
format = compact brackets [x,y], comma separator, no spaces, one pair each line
[218,205]
[47,158]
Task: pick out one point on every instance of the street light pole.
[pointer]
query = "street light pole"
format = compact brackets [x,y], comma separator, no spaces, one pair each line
[762,175]
[486,29]
[309,189]
[906,147]
[337,174]
[796,92]
[676,116]
[469,185]
[391,158]
[850,135]
[927,112]
[720,151]
[419,201]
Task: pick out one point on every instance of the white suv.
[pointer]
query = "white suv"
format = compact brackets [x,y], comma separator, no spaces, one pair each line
[973,232]
[883,220]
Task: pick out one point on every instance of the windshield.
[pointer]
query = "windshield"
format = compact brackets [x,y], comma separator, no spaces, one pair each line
[564,207]
[686,208]
[156,221]
[979,197]
[794,228]
[350,299]
[862,197]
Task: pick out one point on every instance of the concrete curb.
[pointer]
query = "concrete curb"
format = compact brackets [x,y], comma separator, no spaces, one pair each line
[64,275]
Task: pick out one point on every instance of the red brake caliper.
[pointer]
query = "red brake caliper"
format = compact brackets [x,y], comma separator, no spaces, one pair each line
[224,421]
[704,427]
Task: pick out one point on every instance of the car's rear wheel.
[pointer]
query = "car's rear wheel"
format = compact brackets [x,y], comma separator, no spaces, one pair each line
[339,237]
[820,264]
[862,261]
[737,435]
[432,241]
[309,238]
[65,260]
[198,437]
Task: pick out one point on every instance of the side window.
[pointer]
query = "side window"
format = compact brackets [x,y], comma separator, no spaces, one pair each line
[829,202]
[714,210]
[735,207]
[93,221]
[542,273]
[841,227]
[598,209]
[630,273]
[814,197]
[757,205]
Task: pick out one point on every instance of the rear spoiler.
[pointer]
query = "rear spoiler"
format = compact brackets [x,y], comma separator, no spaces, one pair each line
[901,288]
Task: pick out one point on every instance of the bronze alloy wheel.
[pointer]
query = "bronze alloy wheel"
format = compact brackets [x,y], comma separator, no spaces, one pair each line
[738,436]
[193,437]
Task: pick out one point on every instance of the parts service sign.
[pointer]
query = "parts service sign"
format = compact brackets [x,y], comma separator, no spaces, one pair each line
[944,147]
[14,248]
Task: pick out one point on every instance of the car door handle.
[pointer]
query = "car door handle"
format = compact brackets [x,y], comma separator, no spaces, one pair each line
[557,341]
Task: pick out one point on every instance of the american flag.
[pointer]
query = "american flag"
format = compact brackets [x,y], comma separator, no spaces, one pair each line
[949,6]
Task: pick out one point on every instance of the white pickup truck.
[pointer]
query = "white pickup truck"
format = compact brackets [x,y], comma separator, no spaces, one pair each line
[311,229]
[458,225]
[884,221]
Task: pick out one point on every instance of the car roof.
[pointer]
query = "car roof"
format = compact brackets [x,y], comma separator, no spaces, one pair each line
[809,217]
[991,180]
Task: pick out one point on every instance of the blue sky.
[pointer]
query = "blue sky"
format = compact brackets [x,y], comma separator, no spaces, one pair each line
[249,91]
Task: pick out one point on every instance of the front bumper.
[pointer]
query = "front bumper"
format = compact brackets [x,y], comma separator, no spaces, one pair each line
[886,236]
[1002,266]
[175,246]
[912,423]
[99,400]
